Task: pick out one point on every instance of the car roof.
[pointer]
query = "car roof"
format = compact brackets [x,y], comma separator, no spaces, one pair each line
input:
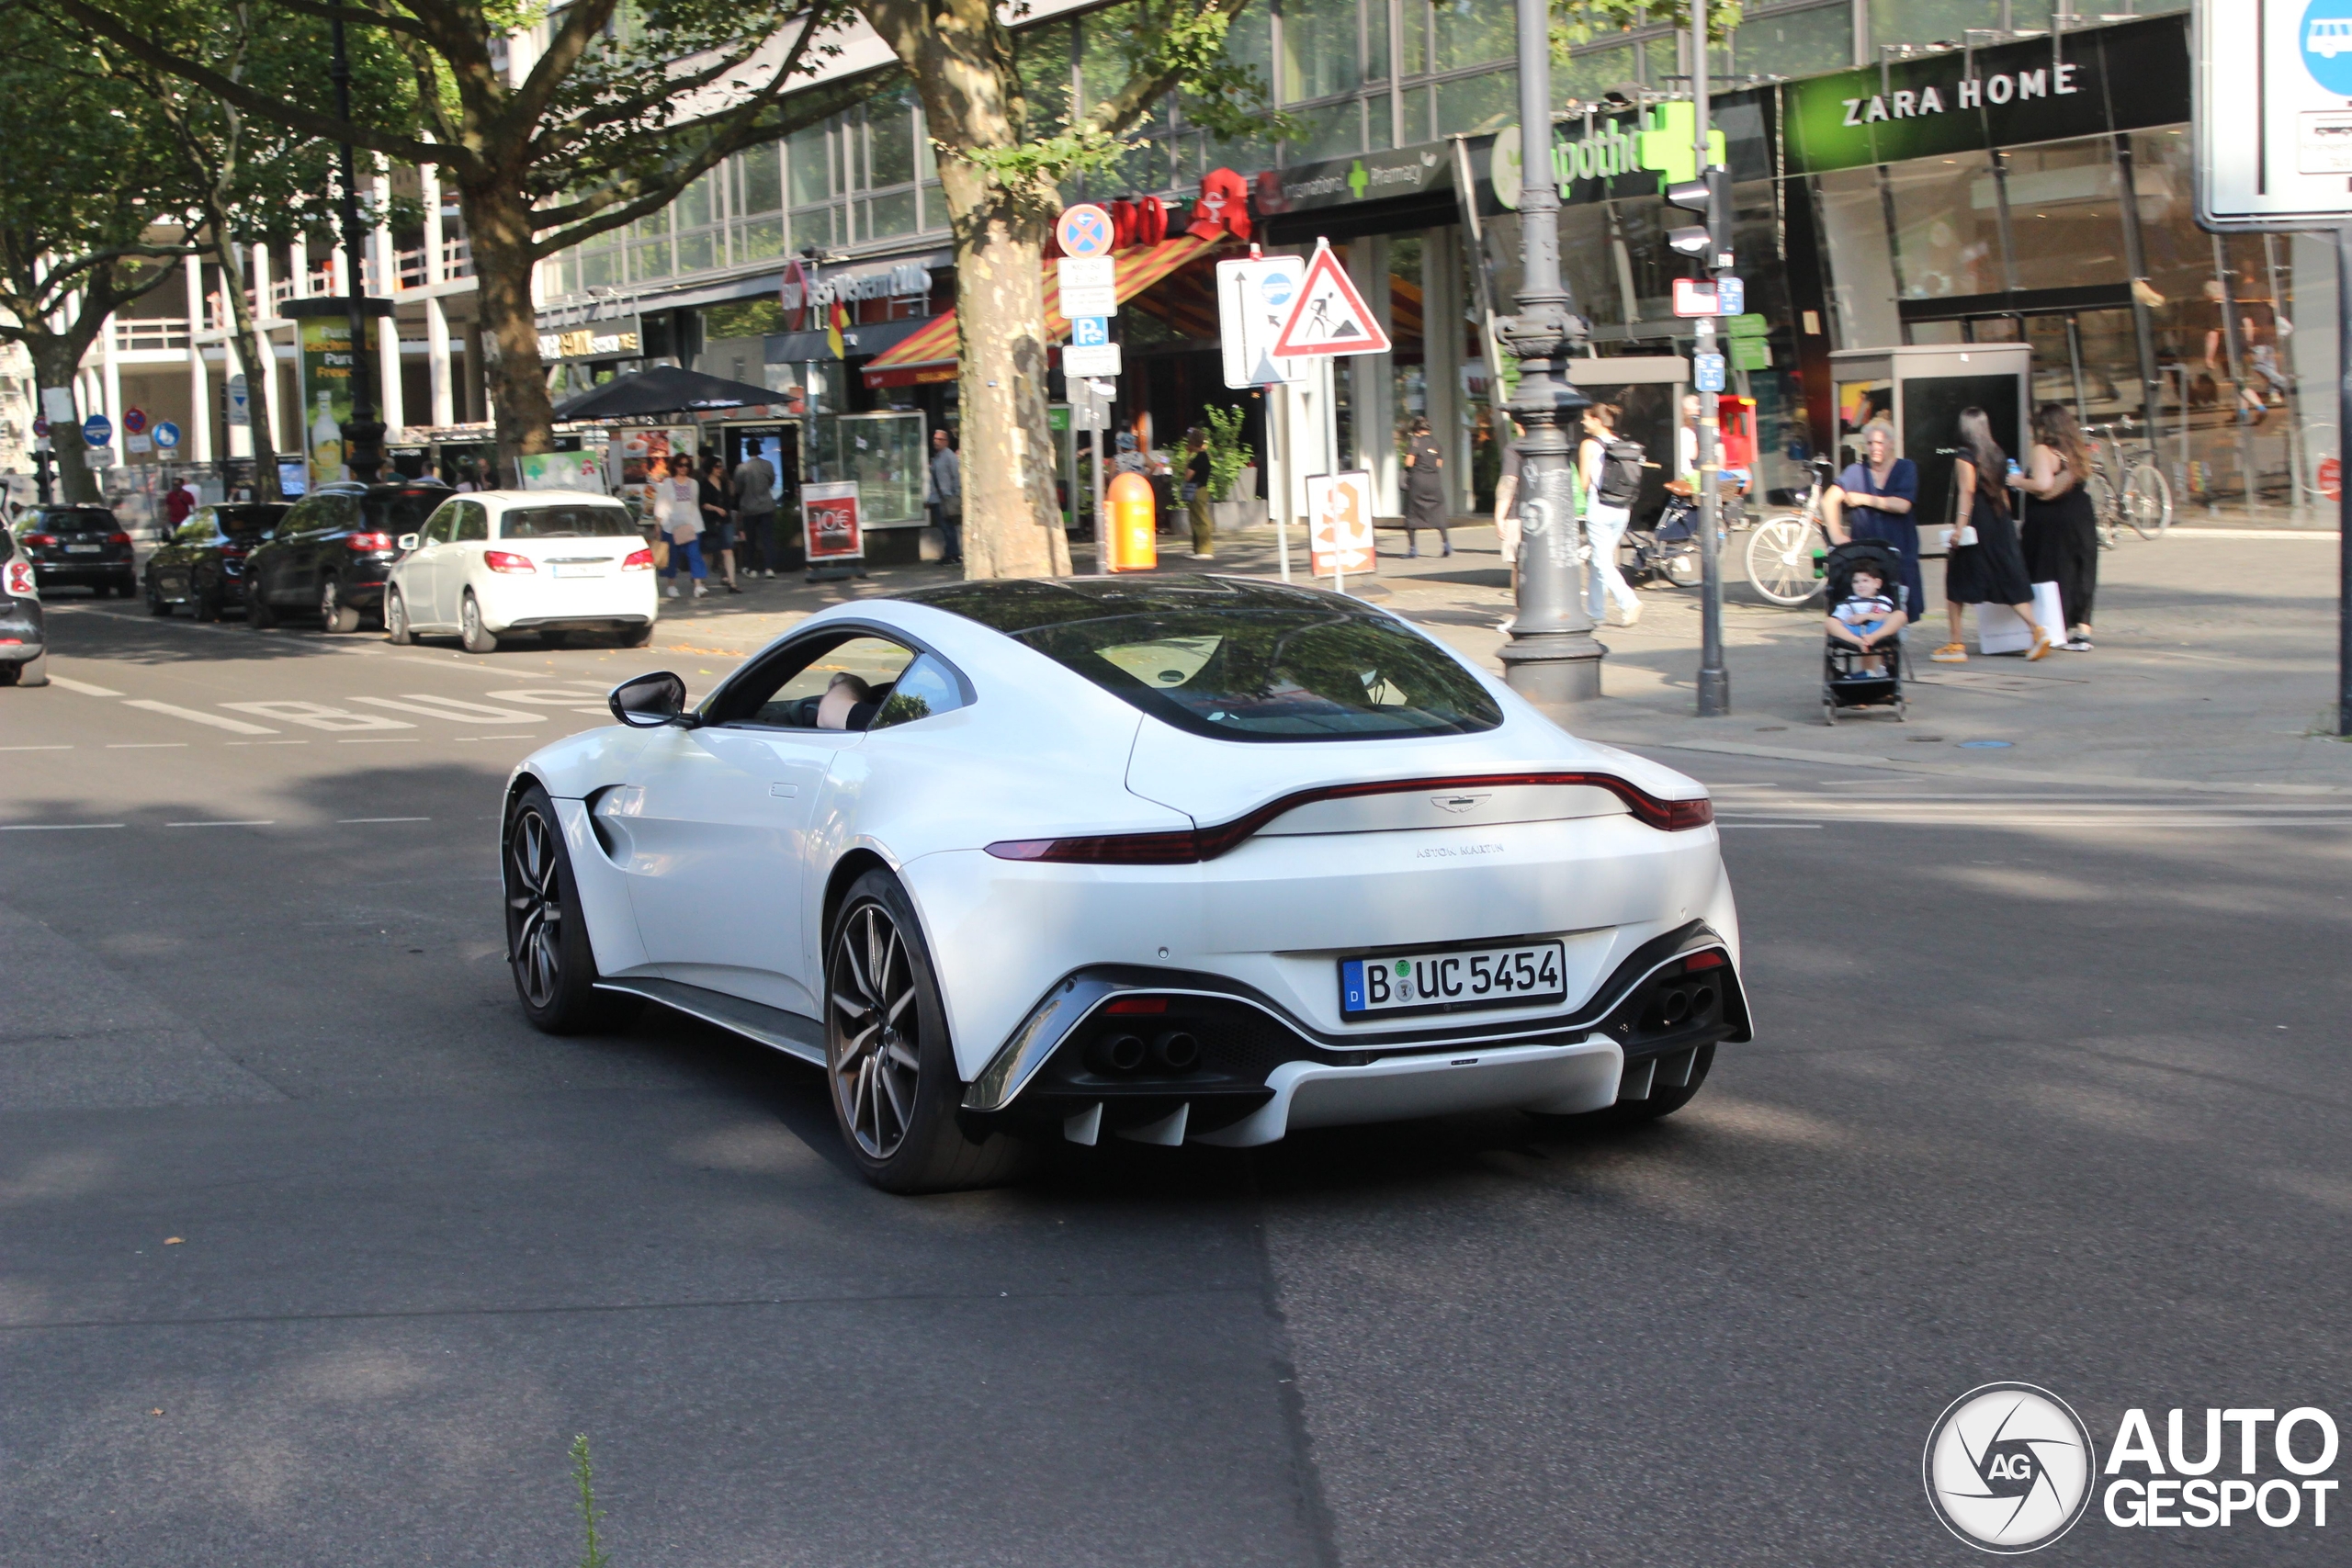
[504,498]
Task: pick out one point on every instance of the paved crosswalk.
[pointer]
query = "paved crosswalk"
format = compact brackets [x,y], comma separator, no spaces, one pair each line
[520,711]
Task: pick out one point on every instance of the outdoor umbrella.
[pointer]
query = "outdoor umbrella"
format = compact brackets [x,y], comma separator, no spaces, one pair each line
[663,390]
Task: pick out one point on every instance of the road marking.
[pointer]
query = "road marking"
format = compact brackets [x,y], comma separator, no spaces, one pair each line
[384,740]
[84,687]
[442,708]
[523,737]
[147,746]
[235,725]
[271,822]
[1766,827]
[319,715]
[69,748]
[54,827]
[357,821]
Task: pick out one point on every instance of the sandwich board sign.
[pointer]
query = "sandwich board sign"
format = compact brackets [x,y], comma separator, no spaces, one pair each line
[1339,523]
[2271,115]
[1253,299]
[1330,317]
[829,522]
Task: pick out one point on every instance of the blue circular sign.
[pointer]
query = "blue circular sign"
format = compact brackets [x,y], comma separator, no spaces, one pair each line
[167,435]
[1276,288]
[2326,40]
[97,430]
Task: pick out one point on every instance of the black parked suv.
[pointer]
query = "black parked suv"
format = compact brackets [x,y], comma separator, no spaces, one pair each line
[329,554]
[77,546]
[23,641]
[203,565]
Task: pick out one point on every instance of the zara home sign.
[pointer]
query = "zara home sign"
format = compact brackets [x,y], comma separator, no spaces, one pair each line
[1968,93]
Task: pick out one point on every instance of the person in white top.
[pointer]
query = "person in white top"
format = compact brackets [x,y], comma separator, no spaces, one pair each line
[677,513]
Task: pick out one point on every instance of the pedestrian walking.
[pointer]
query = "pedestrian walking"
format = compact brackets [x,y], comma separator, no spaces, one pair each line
[717,517]
[178,505]
[2059,532]
[756,501]
[1425,490]
[677,510]
[1609,472]
[1876,498]
[1983,564]
[947,497]
[1196,495]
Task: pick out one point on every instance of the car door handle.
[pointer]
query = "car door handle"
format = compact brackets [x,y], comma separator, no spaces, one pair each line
[785,791]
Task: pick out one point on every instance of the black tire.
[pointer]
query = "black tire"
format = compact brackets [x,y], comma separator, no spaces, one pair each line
[156,602]
[471,633]
[1634,1113]
[33,671]
[641,637]
[258,613]
[555,639]
[396,626]
[894,1099]
[548,952]
[204,604]
[9,673]
[334,615]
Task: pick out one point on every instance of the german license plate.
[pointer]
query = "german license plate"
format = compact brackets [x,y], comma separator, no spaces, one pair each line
[1456,980]
[84,549]
[596,569]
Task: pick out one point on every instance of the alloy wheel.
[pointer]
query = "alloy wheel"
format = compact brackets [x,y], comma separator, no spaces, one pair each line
[534,909]
[874,1044]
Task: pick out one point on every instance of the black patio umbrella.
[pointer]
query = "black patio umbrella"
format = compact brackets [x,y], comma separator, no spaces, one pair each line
[663,390]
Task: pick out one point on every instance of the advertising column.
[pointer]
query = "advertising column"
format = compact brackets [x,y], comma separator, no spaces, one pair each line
[327,367]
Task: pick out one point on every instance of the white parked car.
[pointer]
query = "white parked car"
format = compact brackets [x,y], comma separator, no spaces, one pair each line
[1182,858]
[503,562]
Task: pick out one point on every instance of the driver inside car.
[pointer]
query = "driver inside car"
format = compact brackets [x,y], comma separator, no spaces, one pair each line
[846,696]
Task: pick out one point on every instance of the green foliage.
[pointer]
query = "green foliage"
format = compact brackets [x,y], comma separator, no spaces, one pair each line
[1079,146]
[744,318]
[1228,454]
[1576,22]
[593,1554]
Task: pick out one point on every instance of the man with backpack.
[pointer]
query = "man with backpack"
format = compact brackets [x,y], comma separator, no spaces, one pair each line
[1609,471]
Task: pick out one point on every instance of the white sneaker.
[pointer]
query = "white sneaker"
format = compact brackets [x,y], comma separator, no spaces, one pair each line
[1630,616]
[671,592]
[700,591]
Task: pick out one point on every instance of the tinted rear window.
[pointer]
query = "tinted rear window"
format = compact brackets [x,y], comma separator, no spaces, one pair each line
[1237,660]
[565,523]
[404,513]
[75,520]
[247,519]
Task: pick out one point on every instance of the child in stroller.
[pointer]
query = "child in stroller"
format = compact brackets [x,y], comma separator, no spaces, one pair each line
[1862,658]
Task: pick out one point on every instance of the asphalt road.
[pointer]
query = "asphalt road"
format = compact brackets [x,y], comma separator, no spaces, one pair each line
[311,1252]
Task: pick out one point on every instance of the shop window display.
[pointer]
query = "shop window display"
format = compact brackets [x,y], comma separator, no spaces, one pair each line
[2066,213]
[1945,244]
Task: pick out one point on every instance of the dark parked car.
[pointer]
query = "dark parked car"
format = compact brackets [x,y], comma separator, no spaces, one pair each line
[24,640]
[77,546]
[329,555]
[203,565]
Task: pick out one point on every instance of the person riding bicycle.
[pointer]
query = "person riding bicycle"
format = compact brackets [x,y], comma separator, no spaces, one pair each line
[1874,500]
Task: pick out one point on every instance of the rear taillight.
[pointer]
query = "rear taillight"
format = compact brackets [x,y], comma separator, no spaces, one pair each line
[232,552]
[365,543]
[20,577]
[40,539]
[1186,846]
[640,560]
[118,538]
[507,560]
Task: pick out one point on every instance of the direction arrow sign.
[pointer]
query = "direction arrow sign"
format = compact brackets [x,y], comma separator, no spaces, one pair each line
[1330,317]
[1253,300]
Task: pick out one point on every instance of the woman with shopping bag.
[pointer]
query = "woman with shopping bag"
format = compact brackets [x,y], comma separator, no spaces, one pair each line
[1983,564]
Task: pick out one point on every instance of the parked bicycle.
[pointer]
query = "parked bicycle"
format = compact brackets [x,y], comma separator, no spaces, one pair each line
[1783,563]
[2143,504]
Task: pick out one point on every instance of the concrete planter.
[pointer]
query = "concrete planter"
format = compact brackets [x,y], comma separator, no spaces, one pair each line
[1226,514]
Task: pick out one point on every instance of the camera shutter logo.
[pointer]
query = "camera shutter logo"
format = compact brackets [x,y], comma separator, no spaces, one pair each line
[2009,1468]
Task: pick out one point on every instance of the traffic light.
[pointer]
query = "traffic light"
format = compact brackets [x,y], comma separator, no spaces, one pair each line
[1709,195]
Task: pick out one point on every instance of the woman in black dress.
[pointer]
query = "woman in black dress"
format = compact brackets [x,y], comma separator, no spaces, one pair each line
[1425,490]
[2061,530]
[1990,568]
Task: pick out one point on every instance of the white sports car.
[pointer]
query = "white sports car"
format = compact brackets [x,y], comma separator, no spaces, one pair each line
[1183,858]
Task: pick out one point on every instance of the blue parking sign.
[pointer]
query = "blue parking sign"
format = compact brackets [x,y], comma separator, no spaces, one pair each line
[1707,372]
[1090,331]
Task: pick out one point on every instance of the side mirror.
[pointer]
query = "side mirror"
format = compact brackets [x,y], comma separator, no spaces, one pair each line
[650,701]
[406,542]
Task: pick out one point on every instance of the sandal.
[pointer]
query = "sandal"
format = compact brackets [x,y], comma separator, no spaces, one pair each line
[2040,647]
[1951,653]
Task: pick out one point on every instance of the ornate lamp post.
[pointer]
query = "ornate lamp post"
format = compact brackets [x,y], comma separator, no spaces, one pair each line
[363,433]
[1552,656]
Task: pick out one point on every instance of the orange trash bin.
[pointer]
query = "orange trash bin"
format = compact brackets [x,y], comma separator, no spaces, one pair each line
[1135,524]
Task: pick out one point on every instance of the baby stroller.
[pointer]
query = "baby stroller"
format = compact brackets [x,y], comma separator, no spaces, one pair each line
[1844,683]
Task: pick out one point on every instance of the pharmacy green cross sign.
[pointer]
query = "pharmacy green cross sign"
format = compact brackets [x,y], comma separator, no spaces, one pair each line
[1671,144]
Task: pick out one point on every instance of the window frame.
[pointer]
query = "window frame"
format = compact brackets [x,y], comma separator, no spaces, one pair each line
[722,708]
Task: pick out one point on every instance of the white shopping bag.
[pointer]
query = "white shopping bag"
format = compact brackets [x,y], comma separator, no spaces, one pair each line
[2000,629]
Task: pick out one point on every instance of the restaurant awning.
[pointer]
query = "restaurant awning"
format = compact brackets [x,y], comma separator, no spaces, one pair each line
[924,355]
[665,388]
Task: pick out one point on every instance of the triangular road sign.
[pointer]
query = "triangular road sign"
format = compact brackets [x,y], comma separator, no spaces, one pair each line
[1330,317]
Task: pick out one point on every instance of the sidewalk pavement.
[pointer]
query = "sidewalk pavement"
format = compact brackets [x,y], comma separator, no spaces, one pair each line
[2214,670]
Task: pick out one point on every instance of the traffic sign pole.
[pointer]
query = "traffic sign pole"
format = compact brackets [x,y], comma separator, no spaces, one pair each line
[1714,680]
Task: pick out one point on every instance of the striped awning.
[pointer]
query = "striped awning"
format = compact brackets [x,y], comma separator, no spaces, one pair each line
[1133,272]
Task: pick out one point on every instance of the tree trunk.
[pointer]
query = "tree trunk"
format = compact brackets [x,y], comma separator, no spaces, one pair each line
[1012,525]
[498,228]
[56,360]
[256,355]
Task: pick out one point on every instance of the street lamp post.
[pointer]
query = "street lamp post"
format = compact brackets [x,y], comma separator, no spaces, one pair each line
[1715,679]
[363,433]
[1552,656]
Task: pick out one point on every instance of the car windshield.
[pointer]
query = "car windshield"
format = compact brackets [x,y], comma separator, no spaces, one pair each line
[1237,660]
[243,520]
[403,511]
[581,522]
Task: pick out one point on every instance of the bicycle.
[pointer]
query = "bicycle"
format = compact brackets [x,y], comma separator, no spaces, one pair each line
[2143,503]
[1780,564]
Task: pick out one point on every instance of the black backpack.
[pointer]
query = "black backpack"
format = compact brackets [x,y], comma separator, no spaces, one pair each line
[1620,473]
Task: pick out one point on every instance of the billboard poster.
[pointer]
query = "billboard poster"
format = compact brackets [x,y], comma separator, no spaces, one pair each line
[328,365]
[1339,521]
[829,520]
[563,470]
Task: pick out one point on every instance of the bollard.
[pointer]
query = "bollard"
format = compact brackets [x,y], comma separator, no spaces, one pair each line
[1134,534]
